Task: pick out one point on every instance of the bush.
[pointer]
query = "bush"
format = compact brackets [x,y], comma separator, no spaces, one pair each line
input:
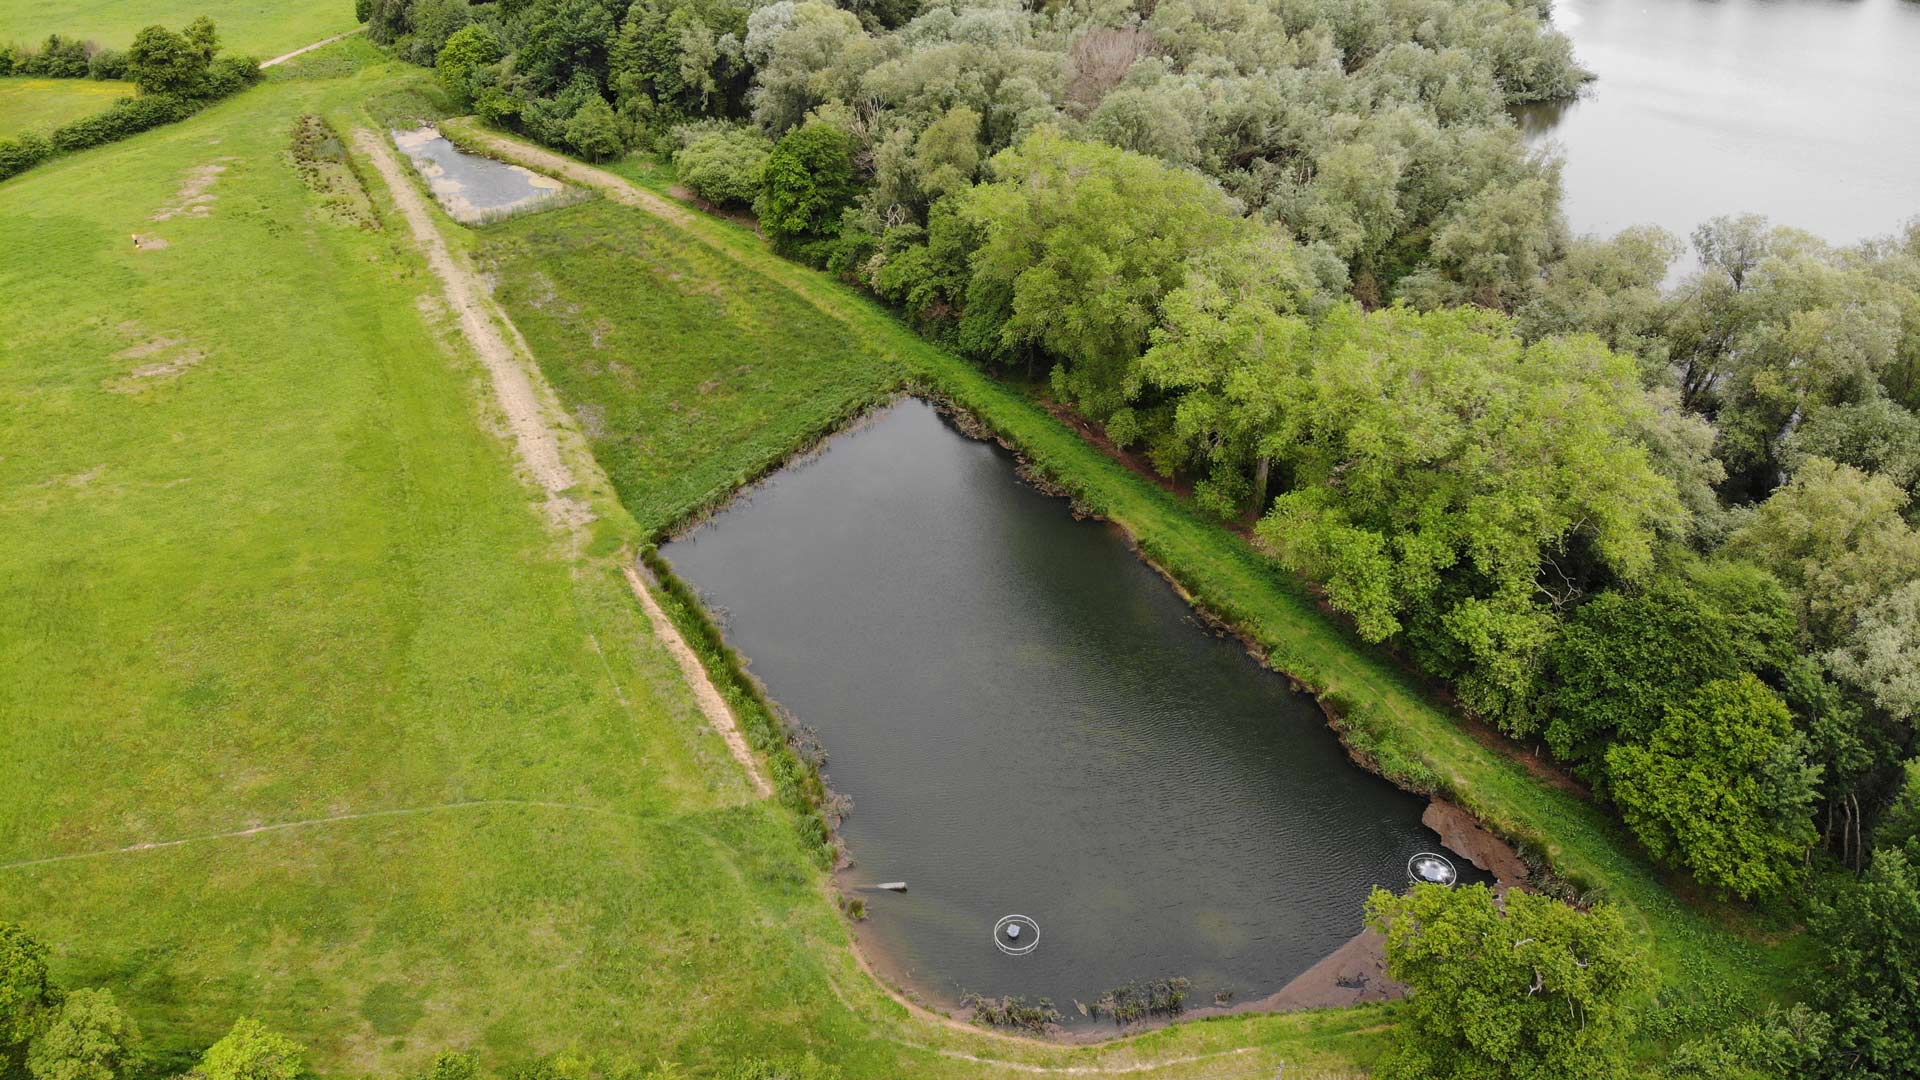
[593,131]
[58,58]
[808,182]
[722,164]
[23,152]
[6,60]
[163,62]
[229,75]
[128,116]
[108,64]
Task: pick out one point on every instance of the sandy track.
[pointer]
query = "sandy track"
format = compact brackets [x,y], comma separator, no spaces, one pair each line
[305,49]
[521,391]
[480,321]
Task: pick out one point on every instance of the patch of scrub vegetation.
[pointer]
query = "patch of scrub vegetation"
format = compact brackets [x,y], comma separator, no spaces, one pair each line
[264,29]
[322,160]
[40,105]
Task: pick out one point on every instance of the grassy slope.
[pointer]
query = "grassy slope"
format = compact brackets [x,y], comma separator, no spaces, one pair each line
[262,28]
[299,580]
[44,104]
[1699,953]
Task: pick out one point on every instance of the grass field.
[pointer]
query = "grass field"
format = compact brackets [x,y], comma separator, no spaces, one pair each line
[40,105]
[262,28]
[585,284]
[308,713]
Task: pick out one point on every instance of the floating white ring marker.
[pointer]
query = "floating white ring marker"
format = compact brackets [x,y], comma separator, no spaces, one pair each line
[1016,935]
[1432,868]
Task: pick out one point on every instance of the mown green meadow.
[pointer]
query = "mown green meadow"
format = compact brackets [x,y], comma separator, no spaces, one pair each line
[264,28]
[576,292]
[310,715]
[40,105]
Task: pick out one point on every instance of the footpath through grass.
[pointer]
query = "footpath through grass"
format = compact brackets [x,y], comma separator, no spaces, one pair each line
[679,290]
[263,28]
[40,105]
[274,588]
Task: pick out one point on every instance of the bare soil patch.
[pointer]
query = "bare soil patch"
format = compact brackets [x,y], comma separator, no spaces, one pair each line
[172,357]
[195,197]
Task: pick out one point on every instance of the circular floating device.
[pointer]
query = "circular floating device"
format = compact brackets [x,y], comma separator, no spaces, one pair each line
[1432,868]
[1016,935]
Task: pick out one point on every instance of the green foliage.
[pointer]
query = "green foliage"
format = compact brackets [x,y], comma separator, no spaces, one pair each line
[161,61]
[467,50]
[89,1038]
[806,183]
[1628,656]
[1142,1000]
[23,152]
[448,1065]
[59,58]
[722,164]
[252,1051]
[1872,987]
[107,65]
[1836,535]
[1901,823]
[1777,1043]
[593,131]
[1079,243]
[1539,990]
[26,994]
[1722,788]
[130,116]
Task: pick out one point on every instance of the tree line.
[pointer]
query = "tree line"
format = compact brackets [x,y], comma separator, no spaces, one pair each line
[1296,254]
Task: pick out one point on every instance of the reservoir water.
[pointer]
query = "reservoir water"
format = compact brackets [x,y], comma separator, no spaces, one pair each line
[1029,720]
[1807,111]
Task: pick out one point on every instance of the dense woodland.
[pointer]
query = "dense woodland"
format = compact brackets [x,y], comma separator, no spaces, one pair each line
[1296,254]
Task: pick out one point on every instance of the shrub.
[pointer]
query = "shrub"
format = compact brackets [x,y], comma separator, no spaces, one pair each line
[6,60]
[722,164]
[108,64]
[128,116]
[229,75]
[808,182]
[593,131]
[473,47]
[23,152]
[58,58]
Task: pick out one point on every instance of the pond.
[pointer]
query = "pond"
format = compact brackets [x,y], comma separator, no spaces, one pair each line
[1030,720]
[473,188]
[1807,111]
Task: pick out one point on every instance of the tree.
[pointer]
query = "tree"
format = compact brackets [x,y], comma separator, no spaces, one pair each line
[252,1051]
[807,182]
[1881,656]
[1083,241]
[89,1038]
[26,994]
[162,62]
[1629,656]
[1453,484]
[1835,535]
[1540,991]
[470,48]
[1722,788]
[1871,931]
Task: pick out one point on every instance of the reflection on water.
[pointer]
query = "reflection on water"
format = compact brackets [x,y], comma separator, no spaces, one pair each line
[1807,111]
[1029,720]
[472,188]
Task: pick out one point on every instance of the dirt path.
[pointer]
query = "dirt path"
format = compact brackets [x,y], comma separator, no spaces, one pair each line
[704,692]
[305,49]
[480,321]
[522,394]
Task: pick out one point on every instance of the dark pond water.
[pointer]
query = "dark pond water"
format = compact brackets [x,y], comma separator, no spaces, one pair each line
[1807,111]
[1029,720]
[471,187]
